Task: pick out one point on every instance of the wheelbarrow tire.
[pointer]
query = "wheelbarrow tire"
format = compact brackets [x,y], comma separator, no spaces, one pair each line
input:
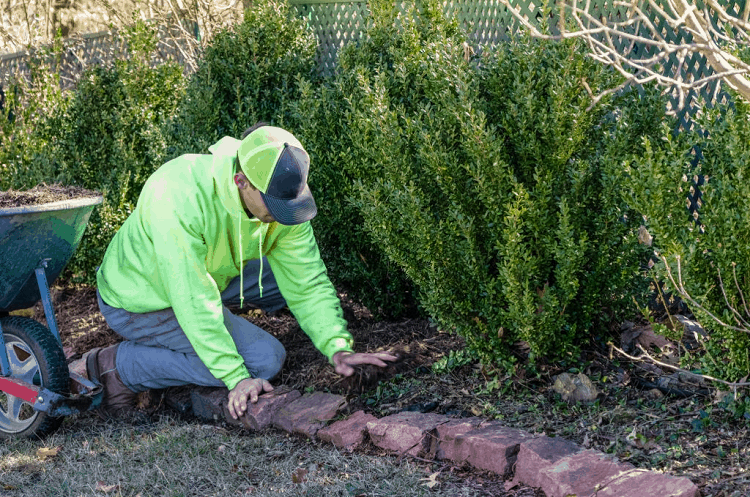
[52,374]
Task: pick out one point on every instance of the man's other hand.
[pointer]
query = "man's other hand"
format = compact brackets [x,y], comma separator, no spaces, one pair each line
[343,361]
[249,388]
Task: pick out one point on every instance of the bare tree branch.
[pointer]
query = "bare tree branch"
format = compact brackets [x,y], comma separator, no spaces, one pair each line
[680,288]
[647,357]
[661,58]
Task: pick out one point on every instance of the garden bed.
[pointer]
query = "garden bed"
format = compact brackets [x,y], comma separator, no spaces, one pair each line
[690,434]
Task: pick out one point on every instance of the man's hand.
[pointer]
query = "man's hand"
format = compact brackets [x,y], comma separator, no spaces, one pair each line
[247,388]
[343,361]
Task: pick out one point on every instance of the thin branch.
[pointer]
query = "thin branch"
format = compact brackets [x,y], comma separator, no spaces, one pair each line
[739,290]
[733,385]
[600,36]
[737,316]
[685,295]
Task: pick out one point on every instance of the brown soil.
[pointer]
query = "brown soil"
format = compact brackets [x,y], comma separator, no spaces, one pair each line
[43,194]
[684,432]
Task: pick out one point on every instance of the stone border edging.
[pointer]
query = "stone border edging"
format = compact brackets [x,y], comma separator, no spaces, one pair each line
[557,466]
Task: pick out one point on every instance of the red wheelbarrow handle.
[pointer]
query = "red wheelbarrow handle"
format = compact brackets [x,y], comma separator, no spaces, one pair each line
[87,395]
[21,389]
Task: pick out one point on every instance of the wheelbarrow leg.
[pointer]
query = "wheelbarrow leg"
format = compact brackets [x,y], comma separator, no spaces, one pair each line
[4,364]
[49,313]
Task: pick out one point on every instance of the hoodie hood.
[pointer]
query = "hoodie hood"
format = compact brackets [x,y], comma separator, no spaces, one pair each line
[224,165]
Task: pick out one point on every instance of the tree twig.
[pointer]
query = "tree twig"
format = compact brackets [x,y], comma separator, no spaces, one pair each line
[733,385]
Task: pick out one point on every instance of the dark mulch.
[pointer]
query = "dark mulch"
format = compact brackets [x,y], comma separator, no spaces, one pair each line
[415,342]
[43,194]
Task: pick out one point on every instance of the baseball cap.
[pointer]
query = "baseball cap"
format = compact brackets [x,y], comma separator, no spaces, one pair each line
[275,162]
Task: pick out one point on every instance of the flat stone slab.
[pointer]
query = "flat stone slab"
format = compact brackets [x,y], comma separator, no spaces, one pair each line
[179,398]
[209,402]
[446,442]
[489,446]
[309,413]
[260,414]
[643,483]
[580,474]
[405,432]
[537,454]
[79,367]
[347,433]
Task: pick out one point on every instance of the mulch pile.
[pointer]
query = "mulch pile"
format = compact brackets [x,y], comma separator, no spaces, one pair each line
[43,194]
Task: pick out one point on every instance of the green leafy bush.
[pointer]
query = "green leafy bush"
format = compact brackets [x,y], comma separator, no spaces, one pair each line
[490,189]
[109,138]
[27,102]
[247,74]
[338,128]
[709,251]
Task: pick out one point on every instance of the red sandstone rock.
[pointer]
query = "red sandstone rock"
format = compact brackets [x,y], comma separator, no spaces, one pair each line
[348,433]
[309,413]
[260,415]
[643,483]
[445,442]
[491,446]
[578,474]
[537,454]
[405,432]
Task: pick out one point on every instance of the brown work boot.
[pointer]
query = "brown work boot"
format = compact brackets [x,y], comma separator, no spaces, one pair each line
[119,401]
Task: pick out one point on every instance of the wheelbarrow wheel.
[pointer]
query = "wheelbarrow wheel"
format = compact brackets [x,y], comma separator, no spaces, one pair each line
[35,356]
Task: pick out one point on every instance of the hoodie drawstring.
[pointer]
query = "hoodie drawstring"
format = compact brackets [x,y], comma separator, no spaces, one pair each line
[263,229]
[242,265]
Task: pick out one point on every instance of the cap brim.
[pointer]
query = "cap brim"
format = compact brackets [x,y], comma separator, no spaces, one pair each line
[290,212]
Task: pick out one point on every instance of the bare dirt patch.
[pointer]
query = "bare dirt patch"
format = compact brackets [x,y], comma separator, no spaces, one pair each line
[683,430]
[43,194]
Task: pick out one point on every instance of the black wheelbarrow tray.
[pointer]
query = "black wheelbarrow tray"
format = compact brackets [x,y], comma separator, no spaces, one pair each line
[36,387]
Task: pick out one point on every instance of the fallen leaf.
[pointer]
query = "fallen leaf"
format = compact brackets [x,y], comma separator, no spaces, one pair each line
[431,480]
[103,487]
[47,452]
[298,475]
[648,339]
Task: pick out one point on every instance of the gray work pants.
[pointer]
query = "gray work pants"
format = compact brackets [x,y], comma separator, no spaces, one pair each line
[156,352]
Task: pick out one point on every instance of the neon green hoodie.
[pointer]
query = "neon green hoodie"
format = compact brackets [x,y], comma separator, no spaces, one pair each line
[180,248]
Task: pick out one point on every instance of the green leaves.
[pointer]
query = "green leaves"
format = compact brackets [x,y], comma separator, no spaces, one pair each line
[247,74]
[705,168]
[488,188]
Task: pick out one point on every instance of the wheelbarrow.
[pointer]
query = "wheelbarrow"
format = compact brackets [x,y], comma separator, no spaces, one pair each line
[37,390]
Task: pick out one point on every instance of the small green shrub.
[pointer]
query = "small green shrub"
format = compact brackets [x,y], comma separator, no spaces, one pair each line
[489,189]
[247,74]
[25,160]
[353,260]
[710,251]
[109,138]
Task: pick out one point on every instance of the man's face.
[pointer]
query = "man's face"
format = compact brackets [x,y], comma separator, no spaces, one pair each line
[251,199]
